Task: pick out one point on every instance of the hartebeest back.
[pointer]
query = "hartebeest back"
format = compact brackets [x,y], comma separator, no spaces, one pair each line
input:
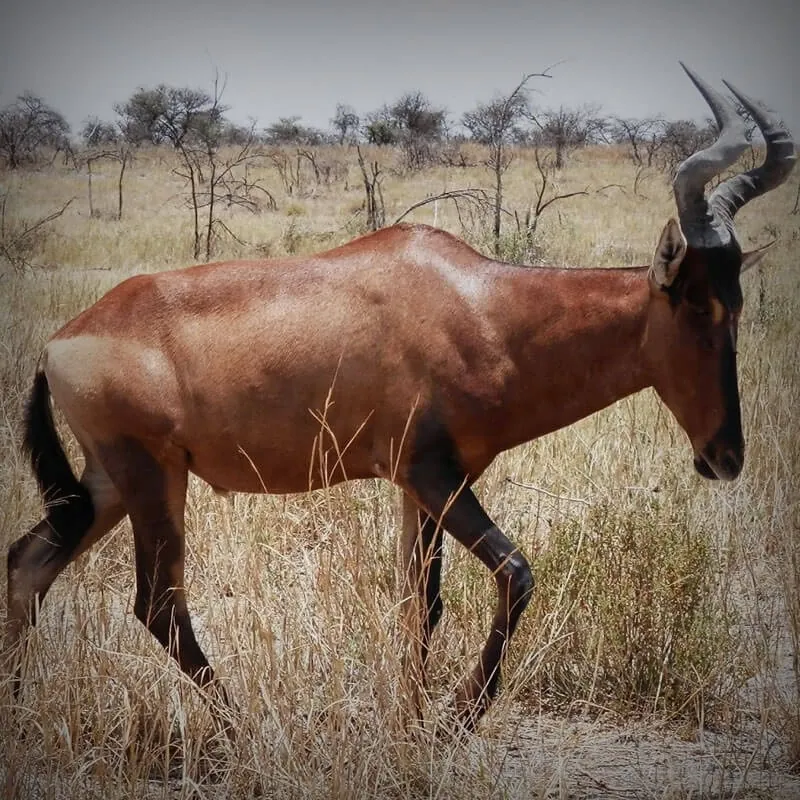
[405,355]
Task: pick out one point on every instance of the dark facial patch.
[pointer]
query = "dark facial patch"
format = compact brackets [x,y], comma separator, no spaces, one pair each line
[709,273]
[729,436]
[706,298]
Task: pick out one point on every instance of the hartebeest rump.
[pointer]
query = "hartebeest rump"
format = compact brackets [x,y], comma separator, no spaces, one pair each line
[426,360]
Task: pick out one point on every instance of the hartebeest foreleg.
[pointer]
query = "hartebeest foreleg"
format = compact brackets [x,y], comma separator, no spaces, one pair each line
[422,603]
[443,491]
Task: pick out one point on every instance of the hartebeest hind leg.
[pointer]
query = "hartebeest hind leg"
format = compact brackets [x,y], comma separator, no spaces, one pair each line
[72,525]
[154,493]
[422,603]
[443,492]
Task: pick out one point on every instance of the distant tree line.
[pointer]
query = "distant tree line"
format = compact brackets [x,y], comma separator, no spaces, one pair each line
[31,130]
[215,154]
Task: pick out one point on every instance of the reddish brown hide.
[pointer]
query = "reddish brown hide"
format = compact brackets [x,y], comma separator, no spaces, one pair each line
[404,355]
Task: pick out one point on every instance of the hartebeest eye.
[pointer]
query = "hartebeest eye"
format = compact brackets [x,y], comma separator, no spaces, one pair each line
[697,302]
[702,311]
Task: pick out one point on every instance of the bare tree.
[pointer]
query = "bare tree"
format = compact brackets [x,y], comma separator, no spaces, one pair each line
[103,141]
[496,124]
[454,154]
[345,122]
[565,129]
[545,197]
[288,164]
[298,167]
[211,177]
[240,188]
[421,127]
[681,138]
[122,154]
[373,193]
[323,168]
[98,133]
[289,130]
[27,126]
[233,135]
[478,199]
[90,159]
[644,137]
[168,114]
[412,123]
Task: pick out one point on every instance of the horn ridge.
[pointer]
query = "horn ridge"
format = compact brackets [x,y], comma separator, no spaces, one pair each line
[701,226]
[778,163]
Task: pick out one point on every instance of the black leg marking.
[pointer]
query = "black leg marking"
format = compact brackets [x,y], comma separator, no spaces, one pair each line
[36,559]
[422,606]
[440,486]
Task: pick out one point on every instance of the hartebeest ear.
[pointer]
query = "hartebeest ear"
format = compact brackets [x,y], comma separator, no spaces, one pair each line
[754,256]
[668,256]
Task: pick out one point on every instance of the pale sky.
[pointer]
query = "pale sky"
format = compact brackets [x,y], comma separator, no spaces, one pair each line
[304,56]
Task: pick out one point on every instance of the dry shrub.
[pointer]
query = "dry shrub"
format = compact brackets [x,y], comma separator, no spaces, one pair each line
[628,611]
[22,239]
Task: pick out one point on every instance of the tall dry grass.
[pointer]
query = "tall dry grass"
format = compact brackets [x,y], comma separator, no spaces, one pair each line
[667,613]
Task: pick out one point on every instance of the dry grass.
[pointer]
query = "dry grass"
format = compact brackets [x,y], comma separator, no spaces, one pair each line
[295,598]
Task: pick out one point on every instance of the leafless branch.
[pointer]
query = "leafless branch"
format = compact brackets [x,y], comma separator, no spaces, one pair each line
[374,203]
[541,203]
[546,493]
[640,173]
[610,186]
[478,196]
[535,210]
[15,245]
[230,233]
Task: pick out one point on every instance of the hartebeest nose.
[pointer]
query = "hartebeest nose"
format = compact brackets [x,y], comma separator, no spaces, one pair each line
[714,463]
[729,465]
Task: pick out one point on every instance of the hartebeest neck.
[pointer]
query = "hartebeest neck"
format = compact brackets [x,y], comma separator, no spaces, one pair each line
[577,342]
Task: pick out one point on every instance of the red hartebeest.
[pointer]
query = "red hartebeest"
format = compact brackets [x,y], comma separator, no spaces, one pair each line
[427,358]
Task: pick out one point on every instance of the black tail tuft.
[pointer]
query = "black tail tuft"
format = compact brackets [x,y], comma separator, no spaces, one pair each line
[67,500]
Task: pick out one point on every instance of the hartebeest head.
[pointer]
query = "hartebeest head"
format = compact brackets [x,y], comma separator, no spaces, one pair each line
[697,299]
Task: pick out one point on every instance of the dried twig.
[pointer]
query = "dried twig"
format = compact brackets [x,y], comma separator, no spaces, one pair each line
[610,186]
[479,197]
[14,245]
[535,210]
[546,493]
[376,208]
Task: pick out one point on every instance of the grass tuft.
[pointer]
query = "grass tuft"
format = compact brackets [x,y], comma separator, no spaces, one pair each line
[628,608]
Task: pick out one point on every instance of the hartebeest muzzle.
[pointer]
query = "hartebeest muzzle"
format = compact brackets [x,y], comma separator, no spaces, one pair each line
[719,460]
[722,457]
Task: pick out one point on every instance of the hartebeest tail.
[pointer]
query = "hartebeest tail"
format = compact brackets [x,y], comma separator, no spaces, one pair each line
[426,358]
[66,498]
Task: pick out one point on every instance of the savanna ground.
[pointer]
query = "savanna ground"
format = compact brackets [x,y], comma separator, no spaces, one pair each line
[658,660]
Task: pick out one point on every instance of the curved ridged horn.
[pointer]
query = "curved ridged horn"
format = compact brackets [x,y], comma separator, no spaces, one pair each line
[701,226]
[733,193]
